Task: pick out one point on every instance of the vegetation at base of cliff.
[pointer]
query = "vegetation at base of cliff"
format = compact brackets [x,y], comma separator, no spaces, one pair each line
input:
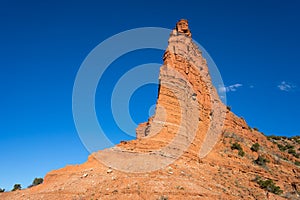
[255,147]
[261,161]
[238,147]
[268,185]
[36,181]
[2,190]
[17,187]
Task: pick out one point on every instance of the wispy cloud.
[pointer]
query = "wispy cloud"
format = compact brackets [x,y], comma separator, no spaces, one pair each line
[285,86]
[230,88]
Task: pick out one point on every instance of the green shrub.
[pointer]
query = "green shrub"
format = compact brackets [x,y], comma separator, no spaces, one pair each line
[261,161]
[297,155]
[274,137]
[268,185]
[297,163]
[256,129]
[296,139]
[285,159]
[292,151]
[2,190]
[36,181]
[236,146]
[255,147]
[241,153]
[288,146]
[228,108]
[281,147]
[17,187]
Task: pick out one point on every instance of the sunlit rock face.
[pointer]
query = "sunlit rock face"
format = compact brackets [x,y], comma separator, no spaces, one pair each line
[188,108]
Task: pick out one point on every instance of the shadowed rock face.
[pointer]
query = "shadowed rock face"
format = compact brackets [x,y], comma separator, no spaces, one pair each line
[183,151]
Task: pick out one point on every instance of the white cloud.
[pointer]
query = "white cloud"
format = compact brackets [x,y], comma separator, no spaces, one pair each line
[230,88]
[285,86]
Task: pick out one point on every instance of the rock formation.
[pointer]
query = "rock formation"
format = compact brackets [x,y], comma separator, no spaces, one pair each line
[188,105]
[193,147]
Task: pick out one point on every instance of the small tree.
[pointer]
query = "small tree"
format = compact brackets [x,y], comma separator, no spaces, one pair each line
[2,190]
[36,181]
[17,187]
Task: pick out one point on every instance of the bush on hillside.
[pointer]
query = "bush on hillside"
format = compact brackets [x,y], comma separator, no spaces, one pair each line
[36,181]
[268,185]
[17,187]
[255,147]
[261,161]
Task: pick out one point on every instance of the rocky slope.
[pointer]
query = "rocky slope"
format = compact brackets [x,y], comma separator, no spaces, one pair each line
[194,147]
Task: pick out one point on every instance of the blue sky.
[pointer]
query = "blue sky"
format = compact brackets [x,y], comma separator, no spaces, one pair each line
[255,45]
